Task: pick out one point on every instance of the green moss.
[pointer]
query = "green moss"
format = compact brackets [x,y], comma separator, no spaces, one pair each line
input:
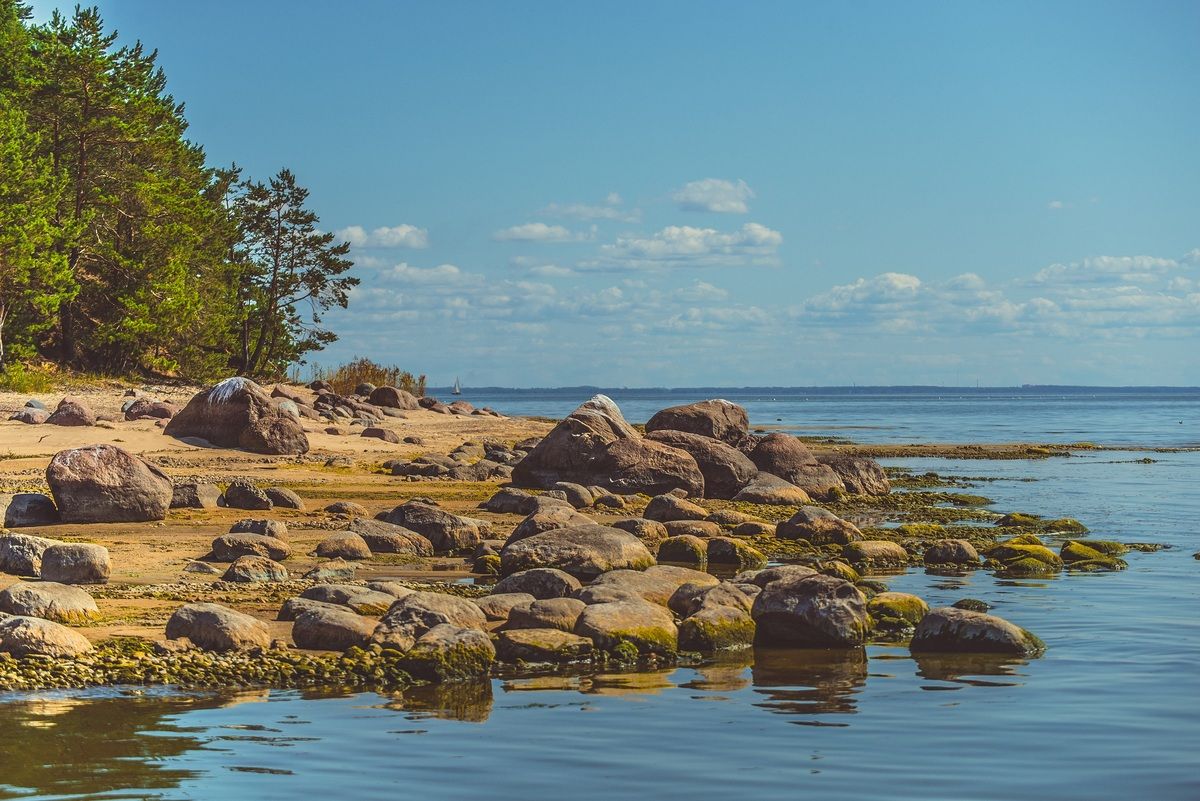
[927,530]
[839,569]
[1026,566]
[1106,547]
[1098,565]
[624,651]
[971,605]
[901,605]
[438,663]
[487,565]
[702,633]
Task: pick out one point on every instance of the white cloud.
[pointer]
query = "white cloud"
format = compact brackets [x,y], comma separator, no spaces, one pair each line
[1056,204]
[551,271]
[609,209]
[688,246]
[715,195]
[537,232]
[1108,269]
[395,236]
[702,290]
[441,275]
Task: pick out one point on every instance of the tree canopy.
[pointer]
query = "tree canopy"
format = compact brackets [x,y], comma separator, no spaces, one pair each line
[121,248]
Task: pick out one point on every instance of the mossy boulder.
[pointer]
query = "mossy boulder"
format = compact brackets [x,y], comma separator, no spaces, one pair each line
[542,645]
[650,532]
[729,551]
[717,627]
[684,549]
[875,553]
[1080,555]
[839,569]
[449,653]
[1024,558]
[583,551]
[897,606]
[926,530]
[648,627]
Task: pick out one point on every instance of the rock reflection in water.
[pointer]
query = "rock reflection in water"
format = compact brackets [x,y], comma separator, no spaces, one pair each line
[467,701]
[56,745]
[812,681]
[960,668]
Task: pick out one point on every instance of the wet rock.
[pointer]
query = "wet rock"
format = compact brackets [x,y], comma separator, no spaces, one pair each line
[498,606]
[666,508]
[717,628]
[195,495]
[34,636]
[384,537]
[550,613]
[1025,556]
[284,498]
[878,553]
[72,412]
[21,554]
[238,413]
[725,469]
[960,630]
[684,549]
[332,571]
[540,582]
[410,617]
[349,508]
[648,627]
[270,528]
[105,484]
[951,552]
[818,526]
[213,627]
[446,531]
[448,653]
[331,629]
[549,519]
[343,545]
[229,547]
[897,606]
[241,494]
[61,603]
[249,569]
[773,490]
[651,532]
[728,551]
[810,610]
[717,419]
[542,645]
[583,551]
[27,509]
[76,563]
[860,475]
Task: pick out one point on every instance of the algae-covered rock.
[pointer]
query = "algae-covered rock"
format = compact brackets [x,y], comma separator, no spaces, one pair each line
[876,553]
[839,569]
[1019,557]
[897,606]
[717,627]
[810,610]
[960,630]
[684,549]
[61,603]
[648,627]
[728,551]
[1083,555]
[448,653]
[542,645]
[926,530]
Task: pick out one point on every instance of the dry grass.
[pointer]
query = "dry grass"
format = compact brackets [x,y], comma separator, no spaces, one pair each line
[344,378]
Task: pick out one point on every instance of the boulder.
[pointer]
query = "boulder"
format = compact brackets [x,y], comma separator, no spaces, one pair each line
[761,578]
[333,570]
[72,412]
[717,627]
[270,528]
[61,603]
[446,531]
[665,508]
[631,466]
[195,495]
[548,519]
[649,627]
[773,490]
[728,551]
[694,528]
[410,617]
[284,498]
[542,645]
[213,627]
[143,408]
[577,495]
[76,563]
[684,549]
[384,537]
[550,613]
[30,416]
[331,629]
[393,398]
[878,553]
[725,469]
[238,413]
[960,630]
[540,582]
[21,554]
[508,500]
[448,653]
[651,532]
[229,547]
[860,475]
[818,526]
[951,552]
[655,584]
[292,608]
[363,600]
[810,610]
[23,636]
[343,545]
[788,458]
[241,494]
[255,568]
[349,508]
[897,606]
[583,551]
[20,509]
[105,484]
[385,434]
[716,419]
[499,605]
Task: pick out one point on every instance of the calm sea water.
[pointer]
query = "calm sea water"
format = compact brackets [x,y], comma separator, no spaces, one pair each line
[1110,712]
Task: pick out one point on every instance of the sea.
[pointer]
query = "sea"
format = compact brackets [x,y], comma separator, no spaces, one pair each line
[1110,711]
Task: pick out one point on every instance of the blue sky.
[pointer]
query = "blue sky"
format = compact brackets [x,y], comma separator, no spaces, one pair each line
[675,194]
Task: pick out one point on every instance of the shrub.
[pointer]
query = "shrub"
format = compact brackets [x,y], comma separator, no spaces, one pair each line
[344,378]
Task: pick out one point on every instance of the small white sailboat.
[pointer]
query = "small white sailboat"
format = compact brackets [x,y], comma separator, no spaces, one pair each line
[457,387]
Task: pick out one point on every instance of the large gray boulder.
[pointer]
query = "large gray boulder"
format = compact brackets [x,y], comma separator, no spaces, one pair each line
[250,569]
[787,457]
[238,413]
[647,626]
[384,537]
[445,531]
[630,466]
[230,547]
[716,419]
[583,551]
[343,545]
[105,484]
[34,636]
[76,563]
[959,630]
[21,554]
[61,603]
[725,469]
[540,582]
[213,627]
[814,610]
[410,617]
[393,398]
[27,509]
[860,475]
[331,629]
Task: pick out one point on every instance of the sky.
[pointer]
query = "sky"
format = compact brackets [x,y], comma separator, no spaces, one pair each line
[726,194]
